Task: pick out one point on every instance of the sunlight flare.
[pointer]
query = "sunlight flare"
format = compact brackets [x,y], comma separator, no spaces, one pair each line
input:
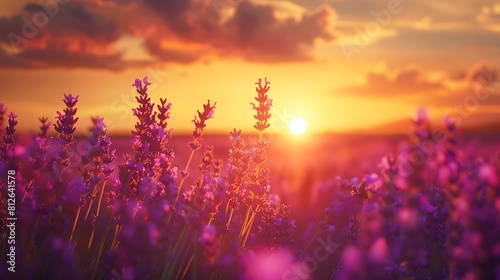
[297,126]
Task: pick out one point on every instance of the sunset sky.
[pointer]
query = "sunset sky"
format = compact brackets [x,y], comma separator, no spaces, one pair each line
[341,65]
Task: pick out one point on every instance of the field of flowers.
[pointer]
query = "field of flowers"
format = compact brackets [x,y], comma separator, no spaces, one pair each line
[241,207]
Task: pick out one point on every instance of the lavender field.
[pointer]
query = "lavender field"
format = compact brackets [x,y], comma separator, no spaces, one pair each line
[253,205]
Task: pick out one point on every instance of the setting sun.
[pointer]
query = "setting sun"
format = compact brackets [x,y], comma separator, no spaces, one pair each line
[297,126]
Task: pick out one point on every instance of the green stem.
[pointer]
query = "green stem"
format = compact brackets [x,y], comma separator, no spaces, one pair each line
[182,259]
[114,243]
[252,218]
[187,266]
[74,246]
[180,186]
[229,219]
[100,198]
[248,223]
[92,235]
[243,226]
[95,264]
[183,177]
[88,209]
[168,267]
[75,222]
[338,263]
[136,209]
[24,197]
[91,239]
[92,197]
[227,207]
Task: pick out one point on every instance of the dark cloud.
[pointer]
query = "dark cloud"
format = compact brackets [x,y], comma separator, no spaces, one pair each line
[57,58]
[59,22]
[8,25]
[66,36]
[175,13]
[258,33]
[75,20]
[86,33]
[252,33]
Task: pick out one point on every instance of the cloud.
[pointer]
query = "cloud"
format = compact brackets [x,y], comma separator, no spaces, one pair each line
[258,33]
[401,82]
[66,36]
[253,31]
[63,22]
[480,82]
[414,85]
[56,58]
[171,54]
[179,15]
[87,34]
[482,72]
[77,21]
[191,31]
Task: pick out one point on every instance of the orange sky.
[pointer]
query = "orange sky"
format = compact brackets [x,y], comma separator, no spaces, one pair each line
[341,65]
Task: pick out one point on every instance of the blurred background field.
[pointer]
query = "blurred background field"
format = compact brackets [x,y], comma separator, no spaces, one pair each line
[303,168]
[300,168]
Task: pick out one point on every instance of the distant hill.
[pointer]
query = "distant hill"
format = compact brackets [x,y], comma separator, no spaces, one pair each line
[488,129]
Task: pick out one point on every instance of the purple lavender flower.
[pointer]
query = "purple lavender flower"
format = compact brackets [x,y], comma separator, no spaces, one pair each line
[65,124]
[263,107]
[199,123]
[6,149]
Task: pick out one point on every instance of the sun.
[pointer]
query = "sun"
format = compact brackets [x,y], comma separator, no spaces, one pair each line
[297,126]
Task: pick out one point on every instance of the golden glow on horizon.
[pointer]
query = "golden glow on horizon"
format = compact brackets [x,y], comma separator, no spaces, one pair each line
[110,95]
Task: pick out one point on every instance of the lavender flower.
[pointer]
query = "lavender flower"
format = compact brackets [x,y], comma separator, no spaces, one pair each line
[263,107]
[276,228]
[238,164]
[199,123]
[6,149]
[66,121]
